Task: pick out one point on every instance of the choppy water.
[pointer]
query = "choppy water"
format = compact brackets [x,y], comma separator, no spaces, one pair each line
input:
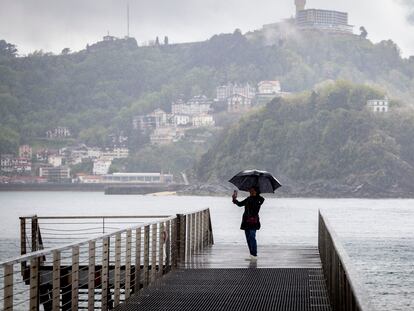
[377,234]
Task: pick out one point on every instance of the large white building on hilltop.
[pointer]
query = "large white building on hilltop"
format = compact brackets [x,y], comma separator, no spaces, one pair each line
[322,20]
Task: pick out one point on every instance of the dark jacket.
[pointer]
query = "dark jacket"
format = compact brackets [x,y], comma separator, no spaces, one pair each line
[252,206]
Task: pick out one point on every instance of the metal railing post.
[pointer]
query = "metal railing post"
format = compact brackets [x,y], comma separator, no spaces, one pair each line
[161,242]
[34,284]
[137,281]
[146,255]
[56,281]
[35,226]
[117,272]
[153,252]
[91,276]
[128,265]
[8,288]
[181,238]
[168,246]
[105,274]
[174,243]
[23,247]
[75,277]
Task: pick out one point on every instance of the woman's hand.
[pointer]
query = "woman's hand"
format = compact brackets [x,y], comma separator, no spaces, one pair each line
[234,196]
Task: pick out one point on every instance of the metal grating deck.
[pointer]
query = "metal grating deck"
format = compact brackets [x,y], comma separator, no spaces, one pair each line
[235,289]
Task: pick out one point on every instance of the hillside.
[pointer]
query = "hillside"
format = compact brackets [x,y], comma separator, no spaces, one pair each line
[97,91]
[324,143]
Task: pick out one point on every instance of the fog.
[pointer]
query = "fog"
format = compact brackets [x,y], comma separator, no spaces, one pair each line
[53,25]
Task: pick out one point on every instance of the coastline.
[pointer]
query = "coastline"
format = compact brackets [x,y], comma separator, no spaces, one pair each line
[216,190]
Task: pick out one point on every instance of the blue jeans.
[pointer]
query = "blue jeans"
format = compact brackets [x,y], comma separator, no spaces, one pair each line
[251,241]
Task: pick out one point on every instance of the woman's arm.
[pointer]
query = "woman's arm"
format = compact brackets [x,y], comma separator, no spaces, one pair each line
[239,203]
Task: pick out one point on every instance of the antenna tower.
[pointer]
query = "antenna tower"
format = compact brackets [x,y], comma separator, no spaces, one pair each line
[128,19]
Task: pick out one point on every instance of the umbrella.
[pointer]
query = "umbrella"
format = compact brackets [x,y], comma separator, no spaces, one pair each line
[262,180]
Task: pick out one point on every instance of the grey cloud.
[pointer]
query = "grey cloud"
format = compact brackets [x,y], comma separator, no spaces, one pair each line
[409,5]
[52,25]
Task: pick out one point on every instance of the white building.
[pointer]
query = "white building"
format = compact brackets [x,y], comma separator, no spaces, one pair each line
[94,152]
[378,105]
[55,174]
[225,91]
[269,87]
[238,103]
[163,136]
[25,151]
[58,132]
[11,164]
[156,119]
[55,160]
[101,166]
[147,178]
[181,119]
[161,118]
[116,153]
[203,120]
[195,106]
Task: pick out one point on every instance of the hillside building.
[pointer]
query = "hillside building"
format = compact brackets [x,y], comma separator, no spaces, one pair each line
[269,87]
[238,103]
[164,136]
[101,166]
[55,160]
[146,123]
[25,151]
[55,174]
[181,119]
[11,164]
[223,92]
[58,132]
[203,120]
[116,153]
[195,106]
[378,105]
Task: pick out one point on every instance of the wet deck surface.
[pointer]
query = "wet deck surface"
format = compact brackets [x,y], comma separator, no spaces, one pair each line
[269,256]
[219,278]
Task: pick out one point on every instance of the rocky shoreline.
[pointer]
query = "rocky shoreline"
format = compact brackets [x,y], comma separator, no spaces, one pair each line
[319,189]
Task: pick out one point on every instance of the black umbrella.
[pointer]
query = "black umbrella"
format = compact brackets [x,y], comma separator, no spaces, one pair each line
[262,180]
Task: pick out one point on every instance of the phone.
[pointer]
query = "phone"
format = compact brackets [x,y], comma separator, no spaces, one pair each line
[235,193]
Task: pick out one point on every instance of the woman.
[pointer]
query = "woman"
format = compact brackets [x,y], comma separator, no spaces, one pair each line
[250,221]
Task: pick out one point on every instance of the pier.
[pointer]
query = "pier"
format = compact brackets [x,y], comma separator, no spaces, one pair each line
[170,262]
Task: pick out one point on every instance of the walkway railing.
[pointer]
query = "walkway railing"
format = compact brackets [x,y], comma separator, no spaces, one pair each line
[345,290]
[39,232]
[101,272]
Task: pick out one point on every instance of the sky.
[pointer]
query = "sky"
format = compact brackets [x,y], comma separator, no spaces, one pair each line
[51,25]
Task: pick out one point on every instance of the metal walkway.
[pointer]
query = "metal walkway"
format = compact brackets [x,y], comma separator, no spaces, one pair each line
[284,278]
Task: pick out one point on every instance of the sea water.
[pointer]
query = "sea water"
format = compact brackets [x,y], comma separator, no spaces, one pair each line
[378,235]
